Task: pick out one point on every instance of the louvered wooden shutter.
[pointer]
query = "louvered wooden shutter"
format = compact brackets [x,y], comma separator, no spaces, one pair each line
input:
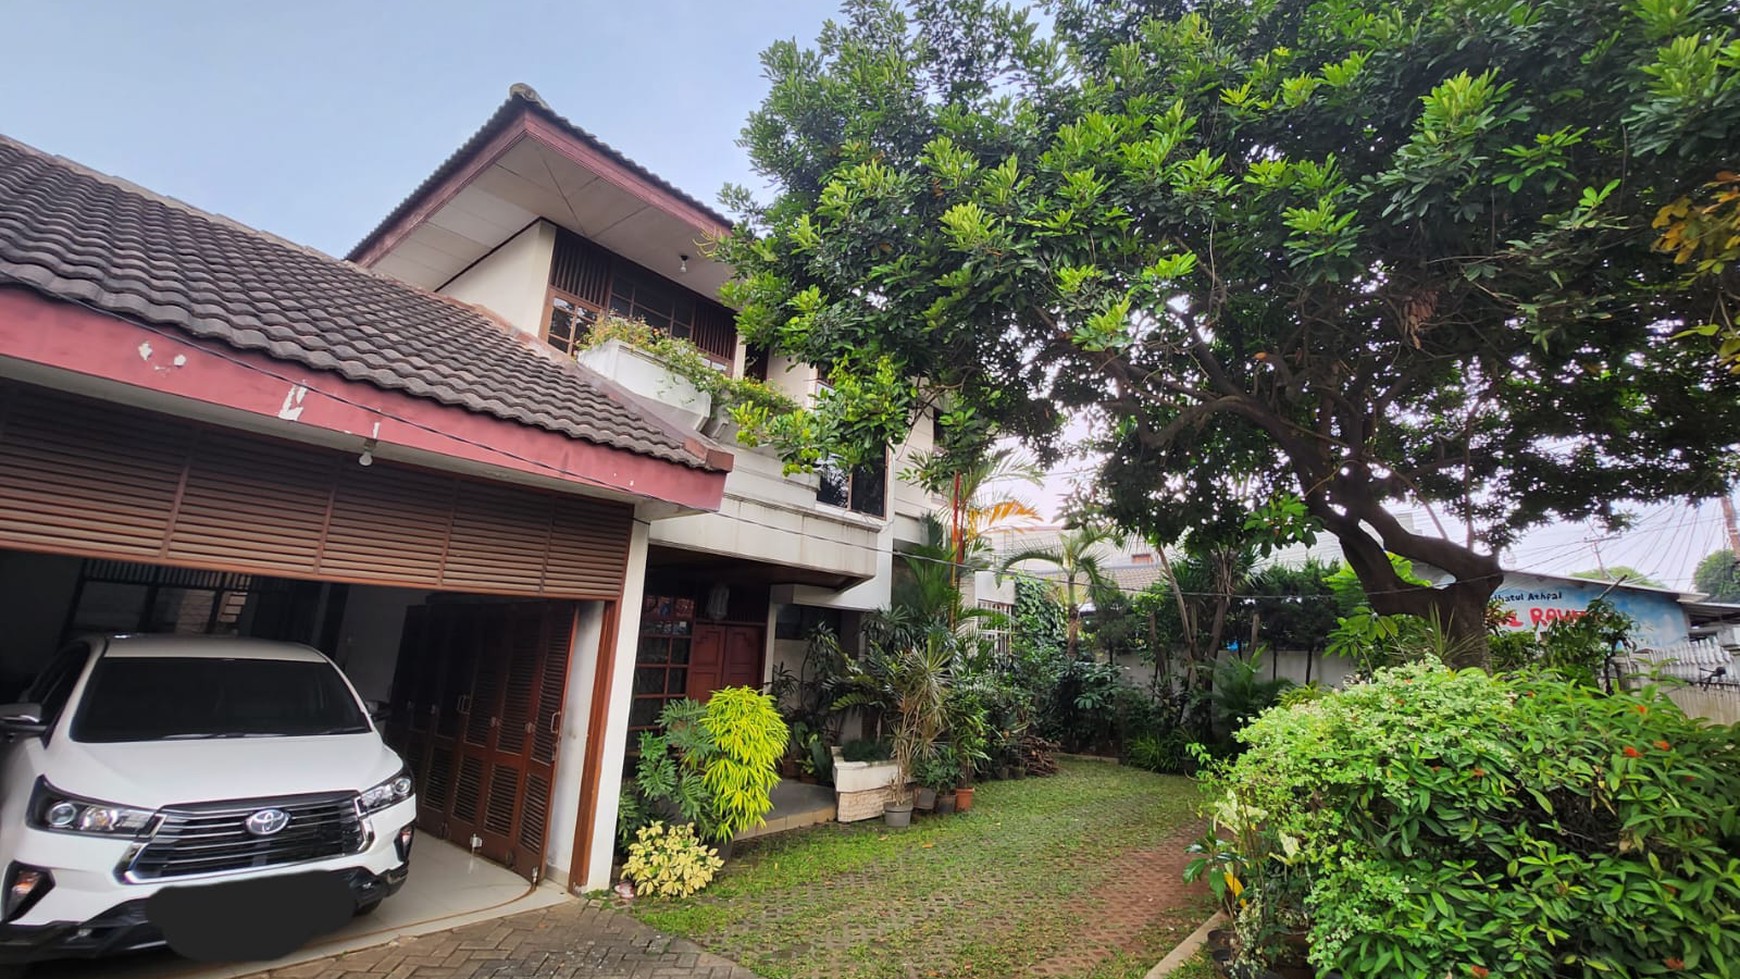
[101,480]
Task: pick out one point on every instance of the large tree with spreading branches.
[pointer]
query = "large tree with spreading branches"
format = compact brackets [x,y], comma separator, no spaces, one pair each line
[1357,251]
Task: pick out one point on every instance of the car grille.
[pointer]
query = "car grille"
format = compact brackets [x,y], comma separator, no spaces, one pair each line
[213,839]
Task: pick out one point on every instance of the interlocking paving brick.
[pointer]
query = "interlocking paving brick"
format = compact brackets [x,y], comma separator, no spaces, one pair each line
[581,939]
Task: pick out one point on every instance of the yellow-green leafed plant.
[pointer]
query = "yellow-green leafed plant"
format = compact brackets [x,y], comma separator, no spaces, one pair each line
[749,738]
[670,861]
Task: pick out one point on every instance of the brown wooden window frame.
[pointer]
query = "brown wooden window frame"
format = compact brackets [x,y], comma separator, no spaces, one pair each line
[572,340]
[667,630]
[633,291]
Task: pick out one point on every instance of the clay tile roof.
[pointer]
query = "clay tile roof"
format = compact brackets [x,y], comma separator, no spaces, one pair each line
[77,235]
[521,97]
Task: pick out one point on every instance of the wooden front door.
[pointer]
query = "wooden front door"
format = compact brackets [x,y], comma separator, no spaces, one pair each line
[724,656]
[490,680]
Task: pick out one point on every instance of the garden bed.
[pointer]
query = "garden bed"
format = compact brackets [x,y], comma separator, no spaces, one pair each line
[1076,875]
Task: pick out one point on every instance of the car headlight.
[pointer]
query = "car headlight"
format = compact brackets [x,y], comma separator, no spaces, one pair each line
[62,812]
[391,792]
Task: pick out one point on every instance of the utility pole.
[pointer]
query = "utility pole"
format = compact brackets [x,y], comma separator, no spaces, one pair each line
[1733,528]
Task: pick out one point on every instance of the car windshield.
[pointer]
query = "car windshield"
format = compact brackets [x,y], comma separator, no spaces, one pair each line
[159,698]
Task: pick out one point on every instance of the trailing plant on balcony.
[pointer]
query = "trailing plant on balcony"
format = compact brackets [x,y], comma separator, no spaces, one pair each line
[730,395]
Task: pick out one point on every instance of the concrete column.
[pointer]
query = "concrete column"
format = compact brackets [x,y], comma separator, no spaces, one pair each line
[615,731]
[571,753]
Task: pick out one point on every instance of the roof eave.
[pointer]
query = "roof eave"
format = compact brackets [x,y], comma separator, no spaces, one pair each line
[525,114]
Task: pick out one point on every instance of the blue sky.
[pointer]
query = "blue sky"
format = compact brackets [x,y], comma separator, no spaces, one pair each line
[311,119]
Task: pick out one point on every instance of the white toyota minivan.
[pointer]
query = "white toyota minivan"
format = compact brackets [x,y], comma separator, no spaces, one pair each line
[231,797]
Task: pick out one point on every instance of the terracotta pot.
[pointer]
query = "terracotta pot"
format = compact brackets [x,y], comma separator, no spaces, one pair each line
[963,798]
[945,803]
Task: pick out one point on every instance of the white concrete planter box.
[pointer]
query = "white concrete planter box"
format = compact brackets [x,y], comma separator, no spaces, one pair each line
[862,788]
[645,375]
[864,776]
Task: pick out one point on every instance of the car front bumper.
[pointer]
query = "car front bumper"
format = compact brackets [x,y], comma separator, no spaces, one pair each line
[126,926]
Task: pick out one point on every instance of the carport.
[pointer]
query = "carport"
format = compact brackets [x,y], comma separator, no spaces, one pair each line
[458,605]
[207,429]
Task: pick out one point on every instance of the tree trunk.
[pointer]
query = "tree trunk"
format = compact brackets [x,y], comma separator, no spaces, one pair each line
[1073,631]
[1348,505]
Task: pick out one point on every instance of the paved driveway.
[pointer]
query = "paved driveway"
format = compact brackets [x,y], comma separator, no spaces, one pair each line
[577,939]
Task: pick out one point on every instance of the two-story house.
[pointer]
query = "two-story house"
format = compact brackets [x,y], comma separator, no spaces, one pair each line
[523,543]
[546,227]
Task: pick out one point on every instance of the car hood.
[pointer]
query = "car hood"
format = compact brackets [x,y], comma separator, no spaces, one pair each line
[152,774]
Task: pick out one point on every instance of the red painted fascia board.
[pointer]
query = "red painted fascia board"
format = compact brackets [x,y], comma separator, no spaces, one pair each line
[70,337]
[486,156]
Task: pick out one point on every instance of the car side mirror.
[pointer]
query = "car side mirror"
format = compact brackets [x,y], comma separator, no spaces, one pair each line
[22,719]
[377,711]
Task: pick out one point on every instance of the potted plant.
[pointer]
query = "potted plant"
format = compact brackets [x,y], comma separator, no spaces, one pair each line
[969,735]
[918,673]
[935,776]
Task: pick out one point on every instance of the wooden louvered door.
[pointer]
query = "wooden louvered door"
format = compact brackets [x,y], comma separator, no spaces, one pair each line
[452,654]
[521,768]
[495,711]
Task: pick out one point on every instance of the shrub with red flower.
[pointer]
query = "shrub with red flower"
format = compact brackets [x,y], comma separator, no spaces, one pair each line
[1543,856]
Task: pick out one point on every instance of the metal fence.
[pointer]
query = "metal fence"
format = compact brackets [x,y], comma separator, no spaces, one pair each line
[1701,676]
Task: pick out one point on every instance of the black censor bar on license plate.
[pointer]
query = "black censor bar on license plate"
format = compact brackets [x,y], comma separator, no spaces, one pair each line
[250,920]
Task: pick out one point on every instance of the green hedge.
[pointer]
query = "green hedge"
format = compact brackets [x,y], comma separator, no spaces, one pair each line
[1442,823]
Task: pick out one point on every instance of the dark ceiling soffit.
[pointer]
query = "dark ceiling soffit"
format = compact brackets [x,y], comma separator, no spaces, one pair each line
[512,119]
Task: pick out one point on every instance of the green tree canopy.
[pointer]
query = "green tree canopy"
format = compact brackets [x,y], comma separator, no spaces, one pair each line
[1718,576]
[1619,572]
[1355,250]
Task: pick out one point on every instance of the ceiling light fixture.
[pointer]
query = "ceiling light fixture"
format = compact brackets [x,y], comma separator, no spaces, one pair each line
[368,453]
[683,266]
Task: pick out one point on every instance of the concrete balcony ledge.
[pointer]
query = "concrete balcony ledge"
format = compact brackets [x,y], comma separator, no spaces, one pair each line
[647,376]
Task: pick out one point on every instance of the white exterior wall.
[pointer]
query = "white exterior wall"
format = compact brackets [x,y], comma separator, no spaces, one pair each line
[571,749]
[513,280]
[369,637]
[615,731]
[772,517]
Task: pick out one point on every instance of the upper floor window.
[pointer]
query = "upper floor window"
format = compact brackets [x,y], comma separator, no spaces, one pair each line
[587,281]
[570,322]
[862,490]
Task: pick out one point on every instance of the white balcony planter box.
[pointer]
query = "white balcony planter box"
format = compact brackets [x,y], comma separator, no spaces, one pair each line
[645,375]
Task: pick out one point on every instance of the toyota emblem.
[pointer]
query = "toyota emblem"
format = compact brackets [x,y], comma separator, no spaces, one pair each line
[267,821]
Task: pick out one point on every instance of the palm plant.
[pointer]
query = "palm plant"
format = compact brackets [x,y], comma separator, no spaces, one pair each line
[919,679]
[1074,555]
[980,498]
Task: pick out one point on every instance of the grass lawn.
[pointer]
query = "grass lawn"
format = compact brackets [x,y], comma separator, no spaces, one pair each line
[1074,875]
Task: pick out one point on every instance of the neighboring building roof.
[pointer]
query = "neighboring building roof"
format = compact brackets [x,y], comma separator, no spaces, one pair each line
[1676,594]
[76,235]
[523,97]
[1707,611]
